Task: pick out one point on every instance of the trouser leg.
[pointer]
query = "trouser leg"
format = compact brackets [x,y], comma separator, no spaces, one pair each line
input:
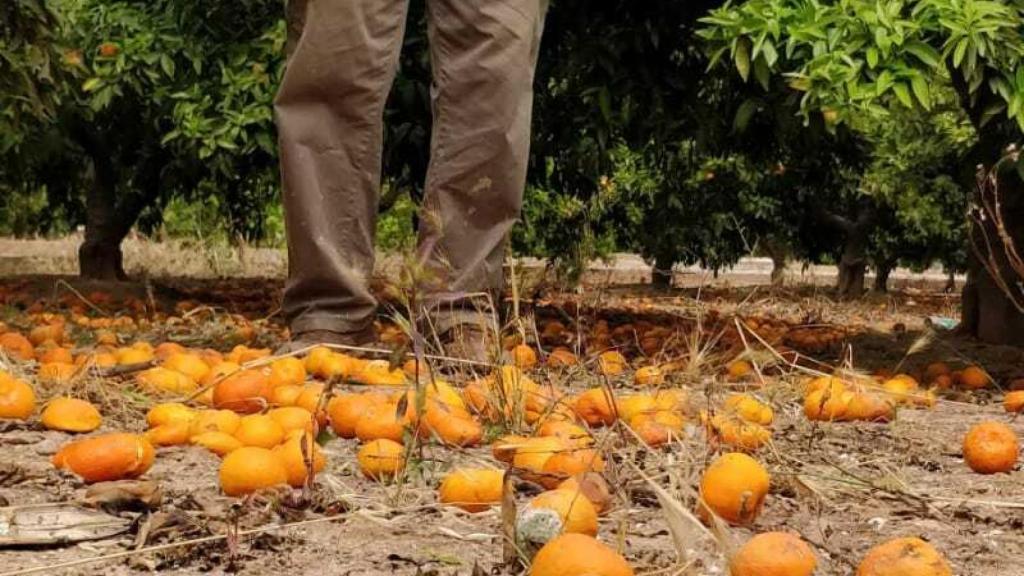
[483,54]
[342,60]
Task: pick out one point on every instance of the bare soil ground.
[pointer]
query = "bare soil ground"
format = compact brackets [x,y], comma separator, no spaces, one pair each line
[844,487]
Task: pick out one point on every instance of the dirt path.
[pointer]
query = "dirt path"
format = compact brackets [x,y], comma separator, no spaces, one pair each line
[180,259]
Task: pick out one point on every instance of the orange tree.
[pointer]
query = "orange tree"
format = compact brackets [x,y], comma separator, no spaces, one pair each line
[638,146]
[853,57]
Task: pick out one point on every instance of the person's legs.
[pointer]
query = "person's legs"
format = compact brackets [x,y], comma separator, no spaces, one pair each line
[483,55]
[342,60]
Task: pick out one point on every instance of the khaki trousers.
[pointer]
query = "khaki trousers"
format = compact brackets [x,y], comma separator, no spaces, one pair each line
[342,61]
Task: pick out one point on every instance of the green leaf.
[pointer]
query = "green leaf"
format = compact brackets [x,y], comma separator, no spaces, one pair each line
[872,57]
[169,137]
[920,87]
[604,101]
[903,94]
[769,53]
[742,57]
[925,53]
[763,74]
[168,65]
[744,114]
[958,53]
[92,84]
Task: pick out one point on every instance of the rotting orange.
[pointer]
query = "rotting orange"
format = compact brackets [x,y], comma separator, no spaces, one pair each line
[292,418]
[54,332]
[973,378]
[524,356]
[381,421]
[991,447]
[165,350]
[504,449]
[133,355]
[734,487]
[561,357]
[773,554]
[472,489]
[572,434]
[381,459]
[285,395]
[630,406]
[114,456]
[379,373]
[904,557]
[241,354]
[259,430]
[189,364]
[578,555]
[828,404]
[596,407]
[738,433]
[55,355]
[345,410]
[1013,402]
[309,399]
[649,376]
[451,426]
[225,421]
[532,454]
[160,379]
[17,399]
[293,454]
[16,346]
[567,463]
[241,391]
[749,408]
[249,469]
[315,359]
[870,407]
[174,433]
[611,363]
[286,372]
[57,373]
[576,511]
[593,486]
[219,443]
[739,369]
[340,366]
[934,370]
[71,415]
[219,373]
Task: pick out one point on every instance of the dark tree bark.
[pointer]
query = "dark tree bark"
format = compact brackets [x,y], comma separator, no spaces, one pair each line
[853,262]
[882,271]
[777,252]
[950,282]
[986,311]
[107,220]
[661,273]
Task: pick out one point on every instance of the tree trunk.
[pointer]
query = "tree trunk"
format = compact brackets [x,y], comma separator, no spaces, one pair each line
[777,252]
[108,221]
[661,273]
[882,271]
[950,282]
[99,256]
[853,262]
[851,280]
[987,311]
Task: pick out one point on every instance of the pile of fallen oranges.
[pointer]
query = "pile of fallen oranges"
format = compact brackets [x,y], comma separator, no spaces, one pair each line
[263,415]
